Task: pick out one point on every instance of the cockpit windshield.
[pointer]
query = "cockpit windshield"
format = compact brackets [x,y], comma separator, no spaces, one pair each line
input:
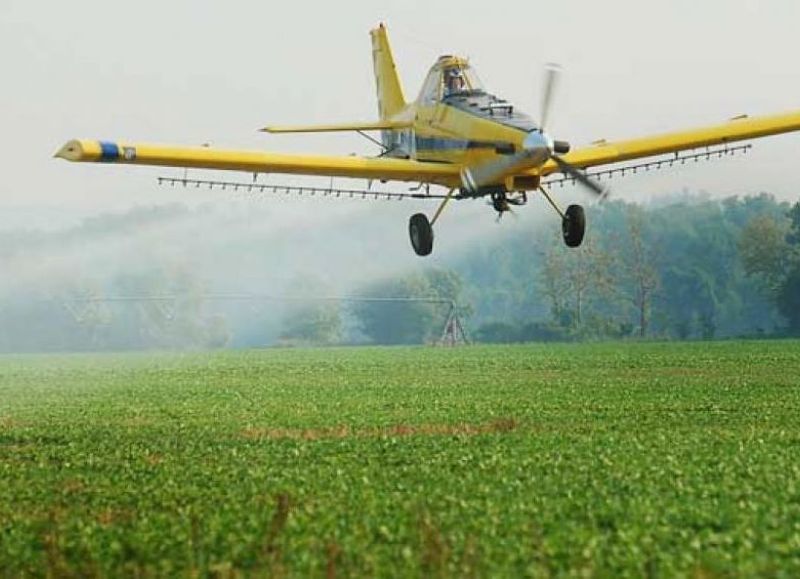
[461,79]
[444,80]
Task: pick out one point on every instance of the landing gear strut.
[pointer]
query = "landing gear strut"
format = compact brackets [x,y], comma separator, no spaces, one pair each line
[573,221]
[420,230]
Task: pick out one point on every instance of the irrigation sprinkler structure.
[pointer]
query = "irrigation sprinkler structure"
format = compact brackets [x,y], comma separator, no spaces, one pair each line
[452,333]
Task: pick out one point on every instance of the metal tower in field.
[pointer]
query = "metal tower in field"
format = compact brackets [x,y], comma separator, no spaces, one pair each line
[453,333]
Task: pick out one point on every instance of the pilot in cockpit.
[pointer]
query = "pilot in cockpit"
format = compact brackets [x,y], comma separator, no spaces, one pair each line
[454,81]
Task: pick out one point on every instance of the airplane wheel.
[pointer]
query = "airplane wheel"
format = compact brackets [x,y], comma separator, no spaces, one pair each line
[421,233]
[573,226]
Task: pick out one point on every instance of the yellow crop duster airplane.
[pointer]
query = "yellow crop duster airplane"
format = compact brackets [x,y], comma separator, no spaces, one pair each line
[455,135]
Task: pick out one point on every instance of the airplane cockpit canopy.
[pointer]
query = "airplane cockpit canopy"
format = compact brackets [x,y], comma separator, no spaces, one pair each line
[449,76]
[453,82]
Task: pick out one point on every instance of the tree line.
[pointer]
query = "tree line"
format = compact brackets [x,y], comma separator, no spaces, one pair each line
[696,268]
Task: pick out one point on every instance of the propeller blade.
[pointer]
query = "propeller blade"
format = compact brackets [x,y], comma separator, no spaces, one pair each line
[473,178]
[551,75]
[581,177]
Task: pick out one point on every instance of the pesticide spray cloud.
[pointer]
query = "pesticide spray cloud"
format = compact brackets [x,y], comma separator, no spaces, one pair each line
[238,244]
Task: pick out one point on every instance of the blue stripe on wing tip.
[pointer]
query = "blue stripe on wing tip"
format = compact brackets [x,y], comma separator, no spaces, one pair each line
[109,151]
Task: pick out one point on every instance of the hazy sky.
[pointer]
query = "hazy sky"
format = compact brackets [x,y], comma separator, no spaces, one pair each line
[200,71]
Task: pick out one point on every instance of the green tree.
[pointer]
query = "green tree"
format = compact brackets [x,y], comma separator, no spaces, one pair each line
[314,318]
[788,297]
[788,300]
[317,324]
[770,252]
[408,310]
[764,250]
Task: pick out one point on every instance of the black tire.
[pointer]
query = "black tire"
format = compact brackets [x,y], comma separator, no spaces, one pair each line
[573,226]
[421,234]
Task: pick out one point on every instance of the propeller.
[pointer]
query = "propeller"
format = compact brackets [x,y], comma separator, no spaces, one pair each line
[581,177]
[537,148]
[552,73]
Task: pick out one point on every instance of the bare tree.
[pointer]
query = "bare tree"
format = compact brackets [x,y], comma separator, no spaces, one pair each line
[553,279]
[639,267]
[572,277]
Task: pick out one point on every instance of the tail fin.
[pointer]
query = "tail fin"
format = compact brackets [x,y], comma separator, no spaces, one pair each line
[390,94]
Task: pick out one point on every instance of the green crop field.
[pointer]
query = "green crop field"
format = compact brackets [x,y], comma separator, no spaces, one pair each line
[606,460]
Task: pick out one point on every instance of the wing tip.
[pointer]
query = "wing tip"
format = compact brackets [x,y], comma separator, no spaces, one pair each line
[70,151]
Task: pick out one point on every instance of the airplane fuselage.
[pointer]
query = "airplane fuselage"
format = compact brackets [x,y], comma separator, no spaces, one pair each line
[445,127]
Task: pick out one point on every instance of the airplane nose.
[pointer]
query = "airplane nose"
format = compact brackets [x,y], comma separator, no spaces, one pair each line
[537,140]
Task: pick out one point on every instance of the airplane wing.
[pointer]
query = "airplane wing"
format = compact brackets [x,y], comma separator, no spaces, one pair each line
[258,162]
[738,129]
[374,126]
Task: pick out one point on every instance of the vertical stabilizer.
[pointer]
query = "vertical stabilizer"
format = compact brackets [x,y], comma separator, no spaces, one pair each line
[390,93]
